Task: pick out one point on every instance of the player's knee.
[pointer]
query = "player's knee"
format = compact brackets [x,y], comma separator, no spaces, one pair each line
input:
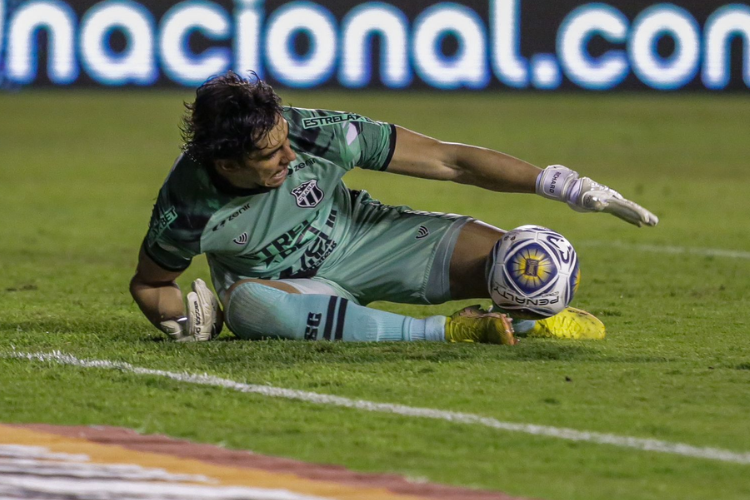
[255,311]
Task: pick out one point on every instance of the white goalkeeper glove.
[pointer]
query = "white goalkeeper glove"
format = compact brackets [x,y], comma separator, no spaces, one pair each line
[204,320]
[584,195]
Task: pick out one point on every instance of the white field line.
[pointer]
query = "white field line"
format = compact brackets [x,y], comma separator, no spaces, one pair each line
[407,411]
[704,252]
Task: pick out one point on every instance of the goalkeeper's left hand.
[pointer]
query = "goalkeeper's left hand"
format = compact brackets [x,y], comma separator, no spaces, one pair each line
[585,195]
[203,321]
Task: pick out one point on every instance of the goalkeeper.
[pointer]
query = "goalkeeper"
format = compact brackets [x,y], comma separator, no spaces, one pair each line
[295,254]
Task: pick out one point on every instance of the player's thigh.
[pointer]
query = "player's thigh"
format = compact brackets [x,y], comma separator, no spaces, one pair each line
[251,307]
[277,284]
[396,254]
[468,262]
[315,286]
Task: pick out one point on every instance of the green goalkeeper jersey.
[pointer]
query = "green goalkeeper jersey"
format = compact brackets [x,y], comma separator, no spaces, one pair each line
[287,232]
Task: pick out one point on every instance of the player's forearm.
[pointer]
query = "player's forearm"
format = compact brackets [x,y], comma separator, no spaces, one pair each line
[158,302]
[417,155]
[492,170]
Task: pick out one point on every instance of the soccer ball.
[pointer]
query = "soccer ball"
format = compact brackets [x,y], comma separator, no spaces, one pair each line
[532,273]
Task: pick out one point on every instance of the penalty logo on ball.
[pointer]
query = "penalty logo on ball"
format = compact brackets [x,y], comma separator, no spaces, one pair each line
[531,268]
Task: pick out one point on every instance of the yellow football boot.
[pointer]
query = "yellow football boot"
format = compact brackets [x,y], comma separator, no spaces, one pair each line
[474,325]
[571,323]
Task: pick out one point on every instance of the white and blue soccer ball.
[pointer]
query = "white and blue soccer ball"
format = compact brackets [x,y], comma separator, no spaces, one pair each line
[532,273]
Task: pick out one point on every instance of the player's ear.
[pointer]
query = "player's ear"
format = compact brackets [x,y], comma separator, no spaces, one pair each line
[226,166]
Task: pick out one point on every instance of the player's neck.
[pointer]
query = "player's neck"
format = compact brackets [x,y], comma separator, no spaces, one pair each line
[236,181]
[227,184]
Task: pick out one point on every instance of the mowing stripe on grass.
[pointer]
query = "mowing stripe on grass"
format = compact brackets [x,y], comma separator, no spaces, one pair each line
[703,252]
[407,411]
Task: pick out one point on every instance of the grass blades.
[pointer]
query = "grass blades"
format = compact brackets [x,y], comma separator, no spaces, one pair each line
[81,171]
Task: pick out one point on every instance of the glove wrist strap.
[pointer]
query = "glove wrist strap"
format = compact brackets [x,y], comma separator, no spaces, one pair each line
[554,181]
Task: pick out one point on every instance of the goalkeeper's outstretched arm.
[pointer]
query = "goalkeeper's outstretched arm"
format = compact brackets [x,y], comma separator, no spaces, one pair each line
[417,155]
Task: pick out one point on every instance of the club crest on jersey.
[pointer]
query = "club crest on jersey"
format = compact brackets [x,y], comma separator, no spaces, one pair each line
[308,194]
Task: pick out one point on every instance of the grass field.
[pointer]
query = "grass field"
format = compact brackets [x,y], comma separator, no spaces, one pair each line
[80,172]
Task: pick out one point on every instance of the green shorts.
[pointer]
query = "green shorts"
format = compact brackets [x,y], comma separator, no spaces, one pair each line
[392,253]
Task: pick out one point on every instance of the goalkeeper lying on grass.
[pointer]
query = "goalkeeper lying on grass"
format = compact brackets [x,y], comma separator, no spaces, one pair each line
[295,254]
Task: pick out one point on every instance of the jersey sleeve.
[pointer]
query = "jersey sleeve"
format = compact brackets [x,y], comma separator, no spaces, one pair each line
[170,242]
[347,139]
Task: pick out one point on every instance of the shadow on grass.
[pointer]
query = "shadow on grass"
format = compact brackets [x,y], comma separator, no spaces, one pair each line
[91,326]
[291,352]
[588,351]
[103,330]
[551,351]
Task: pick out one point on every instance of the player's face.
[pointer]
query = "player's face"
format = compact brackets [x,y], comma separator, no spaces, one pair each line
[267,167]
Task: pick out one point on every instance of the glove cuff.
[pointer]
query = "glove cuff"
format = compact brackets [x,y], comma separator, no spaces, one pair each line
[554,181]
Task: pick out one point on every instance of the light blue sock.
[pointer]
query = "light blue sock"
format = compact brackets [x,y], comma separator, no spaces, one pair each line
[256,311]
[521,326]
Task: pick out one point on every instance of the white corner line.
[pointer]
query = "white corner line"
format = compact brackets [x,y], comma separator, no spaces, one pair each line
[682,449]
[703,252]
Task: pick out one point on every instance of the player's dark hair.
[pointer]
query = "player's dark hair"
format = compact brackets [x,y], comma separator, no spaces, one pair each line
[228,118]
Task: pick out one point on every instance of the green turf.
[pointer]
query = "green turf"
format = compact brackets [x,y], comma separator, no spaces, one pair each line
[81,172]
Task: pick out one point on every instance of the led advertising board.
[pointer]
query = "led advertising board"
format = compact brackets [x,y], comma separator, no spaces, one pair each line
[543,45]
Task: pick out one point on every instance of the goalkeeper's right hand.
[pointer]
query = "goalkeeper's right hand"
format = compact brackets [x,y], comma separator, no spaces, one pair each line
[585,195]
[204,320]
